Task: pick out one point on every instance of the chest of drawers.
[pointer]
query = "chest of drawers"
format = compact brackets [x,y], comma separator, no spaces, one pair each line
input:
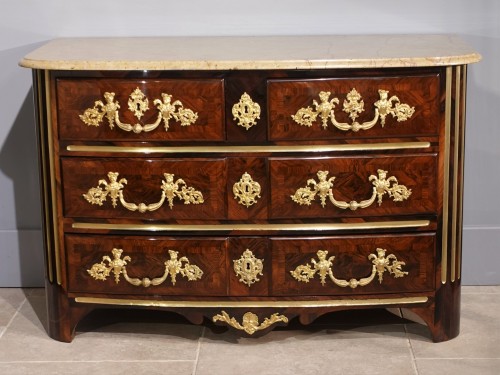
[250,181]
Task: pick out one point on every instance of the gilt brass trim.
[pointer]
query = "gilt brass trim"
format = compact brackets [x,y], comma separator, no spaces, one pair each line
[323,188]
[45,179]
[446,186]
[138,103]
[246,111]
[118,265]
[250,323]
[455,175]
[323,267]
[462,159]
[354,106]
[250,149]
[52,171]
[170,190]
[254,227]
[253,304]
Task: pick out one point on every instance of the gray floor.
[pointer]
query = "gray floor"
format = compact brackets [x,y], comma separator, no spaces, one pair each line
[363,342]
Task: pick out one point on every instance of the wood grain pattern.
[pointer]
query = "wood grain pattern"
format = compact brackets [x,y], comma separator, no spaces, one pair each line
[63,95]
[259,246]
[258,170]
[417,172]
[144,179]
[351,261]
[287,96]
[148,256]
[254,84]
[205,97]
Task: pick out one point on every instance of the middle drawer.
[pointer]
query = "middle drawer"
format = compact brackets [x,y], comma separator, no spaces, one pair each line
[251,188]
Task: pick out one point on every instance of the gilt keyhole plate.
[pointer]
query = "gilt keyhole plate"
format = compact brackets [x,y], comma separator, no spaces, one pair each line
[246,112]
[246,190]
[248,268]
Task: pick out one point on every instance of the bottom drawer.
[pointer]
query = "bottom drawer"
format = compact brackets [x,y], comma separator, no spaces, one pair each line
[143,265]
[276,266]
[353,265]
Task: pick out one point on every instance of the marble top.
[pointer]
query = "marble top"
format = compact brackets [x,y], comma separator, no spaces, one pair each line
[272,52]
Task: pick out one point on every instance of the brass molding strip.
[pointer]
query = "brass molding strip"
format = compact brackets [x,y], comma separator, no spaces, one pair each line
[446,187]
[255,149]
[252,304]
[462,161]
[455,175]
[52,176]
[254,227]
[43,156]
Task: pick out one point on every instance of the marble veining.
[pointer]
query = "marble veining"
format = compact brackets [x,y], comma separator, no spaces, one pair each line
[231,53]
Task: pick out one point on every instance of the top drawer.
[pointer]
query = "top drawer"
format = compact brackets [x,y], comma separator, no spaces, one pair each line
[163,109]
[353,108]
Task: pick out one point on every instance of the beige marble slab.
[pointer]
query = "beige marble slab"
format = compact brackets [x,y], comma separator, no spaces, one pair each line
[228,53]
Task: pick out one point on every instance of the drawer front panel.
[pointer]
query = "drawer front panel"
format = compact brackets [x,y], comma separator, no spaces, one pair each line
[135,265]
[407,106]
[249,266]
[144,189]
[353,186]
[353,265]
[248,190]
[140,109]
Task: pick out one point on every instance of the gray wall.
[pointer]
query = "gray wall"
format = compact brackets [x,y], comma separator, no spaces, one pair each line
[26,24]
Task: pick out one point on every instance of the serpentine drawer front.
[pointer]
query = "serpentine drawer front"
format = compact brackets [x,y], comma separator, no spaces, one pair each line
[144,188]
[353,186]
[117,109]
[353,265]
[248,181]
[346,107]
[137,265]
